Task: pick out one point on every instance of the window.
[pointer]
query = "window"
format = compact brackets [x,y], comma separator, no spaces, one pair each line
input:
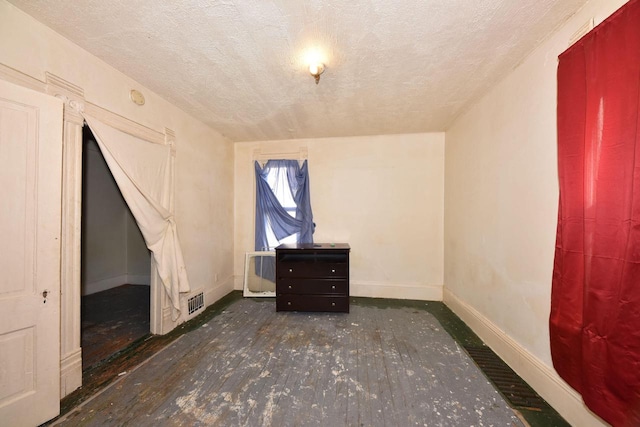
[279,184]
[283,206]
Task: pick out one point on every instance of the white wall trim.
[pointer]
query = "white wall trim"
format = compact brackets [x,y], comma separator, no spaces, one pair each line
[70,372]
[14,76]
[112,282]
[537,374]
[71,205]
[103,284]
[411,291]
[211,295]
[238,282]
[125,125]
[261,157]
[138,279]
[220,290]
[359,288]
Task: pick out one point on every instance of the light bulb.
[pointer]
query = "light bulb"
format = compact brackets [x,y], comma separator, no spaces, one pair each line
[316,68]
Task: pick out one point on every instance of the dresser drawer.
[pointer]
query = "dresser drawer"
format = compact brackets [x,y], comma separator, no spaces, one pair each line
[312,277]
[320,269]
[313,286]
[294,302]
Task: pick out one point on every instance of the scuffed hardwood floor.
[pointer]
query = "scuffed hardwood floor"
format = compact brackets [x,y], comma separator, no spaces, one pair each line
[112,320]
[251,366]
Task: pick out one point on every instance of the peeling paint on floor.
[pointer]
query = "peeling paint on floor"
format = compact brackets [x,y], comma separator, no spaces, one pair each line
[252,366]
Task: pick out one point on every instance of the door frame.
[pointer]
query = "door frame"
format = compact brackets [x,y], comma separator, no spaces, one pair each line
[73,121]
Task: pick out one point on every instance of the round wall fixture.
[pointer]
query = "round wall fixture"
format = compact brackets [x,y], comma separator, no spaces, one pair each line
[137,97]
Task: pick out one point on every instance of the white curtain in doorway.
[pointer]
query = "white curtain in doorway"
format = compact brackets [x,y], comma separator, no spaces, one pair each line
[143,172]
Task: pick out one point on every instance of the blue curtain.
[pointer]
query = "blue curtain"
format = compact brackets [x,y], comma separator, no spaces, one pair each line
[271,213]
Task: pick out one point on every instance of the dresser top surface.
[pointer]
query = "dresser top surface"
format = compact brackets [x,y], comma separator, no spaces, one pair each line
[314,246]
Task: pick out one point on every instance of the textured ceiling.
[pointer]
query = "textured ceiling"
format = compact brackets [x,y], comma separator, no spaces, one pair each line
[392,66]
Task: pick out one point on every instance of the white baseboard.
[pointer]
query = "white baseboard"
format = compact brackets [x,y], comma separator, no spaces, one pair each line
[211,295]
[359,288]
[168,324]
[222,288]
[138,279]
[112,282]
[70,372]
[238,282]
[395,291]
[89,288]
[538,375]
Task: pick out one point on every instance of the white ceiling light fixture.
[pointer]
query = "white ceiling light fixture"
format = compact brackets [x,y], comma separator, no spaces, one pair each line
[316,69]
[315,58]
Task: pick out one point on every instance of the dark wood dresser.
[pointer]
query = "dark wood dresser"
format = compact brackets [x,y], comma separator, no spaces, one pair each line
[312,277]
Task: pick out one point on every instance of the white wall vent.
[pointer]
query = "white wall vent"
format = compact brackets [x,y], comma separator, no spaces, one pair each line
[195,303]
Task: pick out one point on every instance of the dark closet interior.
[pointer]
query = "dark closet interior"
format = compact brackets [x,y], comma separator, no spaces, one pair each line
[115,301]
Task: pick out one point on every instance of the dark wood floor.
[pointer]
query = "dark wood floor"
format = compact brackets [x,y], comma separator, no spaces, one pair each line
[252,366]
[112,320]
[98,378]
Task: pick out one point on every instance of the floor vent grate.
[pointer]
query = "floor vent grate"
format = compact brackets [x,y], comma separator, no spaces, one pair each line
[512,387]
[195,303]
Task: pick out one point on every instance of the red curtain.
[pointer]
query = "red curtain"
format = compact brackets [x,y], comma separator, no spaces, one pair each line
[595,301]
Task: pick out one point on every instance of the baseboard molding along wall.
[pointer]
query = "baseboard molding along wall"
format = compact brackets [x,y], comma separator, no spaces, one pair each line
[421,292]
[112,282]
[238,282]
[538,375]
[222,288]
[358,288]
[70,372]
[138,279]
[210,296]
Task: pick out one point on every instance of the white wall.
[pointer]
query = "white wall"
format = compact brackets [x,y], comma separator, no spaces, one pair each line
[113,250]
[383,195]
[204,158]
[501,197]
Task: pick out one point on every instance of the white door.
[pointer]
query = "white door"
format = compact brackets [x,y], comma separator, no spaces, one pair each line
[30,203]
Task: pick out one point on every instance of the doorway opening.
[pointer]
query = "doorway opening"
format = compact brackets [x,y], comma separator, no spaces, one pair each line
[115,264]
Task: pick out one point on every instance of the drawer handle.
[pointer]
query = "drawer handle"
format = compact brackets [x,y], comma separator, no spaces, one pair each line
[289,286]
[288,302]
[333,304]
[333,270]
[333,286]
[291,270]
